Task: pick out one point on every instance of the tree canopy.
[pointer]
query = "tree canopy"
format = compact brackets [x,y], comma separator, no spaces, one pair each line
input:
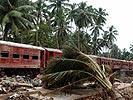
[54,23]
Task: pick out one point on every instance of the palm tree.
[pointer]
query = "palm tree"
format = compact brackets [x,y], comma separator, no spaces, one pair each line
[72,12]
[126,55]
[15,16]
[115,52]
[42,16]
[111,35]
[98,22]
[56,5]
[131,48]
[59,19]
[82,17]
[77,68]
[104,41]
[65,67]
[84,42]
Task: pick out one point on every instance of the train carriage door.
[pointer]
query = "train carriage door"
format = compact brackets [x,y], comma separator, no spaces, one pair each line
[42,60]
[99,61]
[51,55]
[46,57]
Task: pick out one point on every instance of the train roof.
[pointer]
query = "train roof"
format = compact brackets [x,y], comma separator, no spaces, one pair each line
[109,58]
[54,50]
[21,45]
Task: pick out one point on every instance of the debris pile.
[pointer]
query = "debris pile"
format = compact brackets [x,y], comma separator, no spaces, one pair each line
[21,97]
[25,88]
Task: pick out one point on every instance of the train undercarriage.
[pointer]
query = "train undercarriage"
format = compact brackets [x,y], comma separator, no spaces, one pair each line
[31,72]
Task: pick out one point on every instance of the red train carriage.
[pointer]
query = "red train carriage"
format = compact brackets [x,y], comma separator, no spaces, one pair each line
[125,65]
[22,56]
[102,60]
[116,64]
[113,63]
[16,55]
[51,54]
[131,65]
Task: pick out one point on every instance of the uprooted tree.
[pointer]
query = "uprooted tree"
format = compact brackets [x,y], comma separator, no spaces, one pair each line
[76,67]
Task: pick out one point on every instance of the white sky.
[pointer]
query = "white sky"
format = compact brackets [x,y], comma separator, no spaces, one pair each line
[120,15]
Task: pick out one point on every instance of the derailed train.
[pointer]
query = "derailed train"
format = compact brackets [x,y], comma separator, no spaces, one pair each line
[114,64]
[16,56]
[23,56]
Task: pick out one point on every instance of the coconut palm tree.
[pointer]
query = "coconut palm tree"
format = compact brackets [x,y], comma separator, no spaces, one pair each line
[115,52]
[56,5]
[15,16]
[42,16]
[59,21]
[87,69]
[111,35]
[84,42]
[77,68]
[131,48]
[82,17]
[98,22]
[72,12]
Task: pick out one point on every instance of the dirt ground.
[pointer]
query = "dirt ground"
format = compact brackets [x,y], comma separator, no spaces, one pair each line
[19,88]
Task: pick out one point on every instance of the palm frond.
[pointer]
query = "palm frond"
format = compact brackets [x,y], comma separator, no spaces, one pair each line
[25,7]
[15,13]
[2,8]
[63,78]
[5,19]
[69,69]
[67,64]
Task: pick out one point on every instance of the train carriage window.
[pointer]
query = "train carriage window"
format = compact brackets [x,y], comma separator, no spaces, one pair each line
[35,57]
[26,56]
[15,55]
[4,54]
[51,55]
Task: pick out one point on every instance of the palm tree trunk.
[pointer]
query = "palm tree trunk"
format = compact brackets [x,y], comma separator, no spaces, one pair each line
[21,37]
[36,42]
[6,32]
[78,40]
[57,40]
[115,95]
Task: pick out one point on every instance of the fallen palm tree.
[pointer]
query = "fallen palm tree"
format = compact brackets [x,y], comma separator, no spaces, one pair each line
[76,68]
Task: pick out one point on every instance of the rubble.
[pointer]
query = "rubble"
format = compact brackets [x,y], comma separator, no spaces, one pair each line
[25,88]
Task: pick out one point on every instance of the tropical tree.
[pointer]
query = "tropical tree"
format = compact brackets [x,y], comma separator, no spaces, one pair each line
[72,12]
[42,16]
[84,42]
[126,55]
[76,68]
[104,43]
[15,16]
[115,52]
[98,22]
[82,17]
[67,66]
[111,35]
[59,19]
[131,48]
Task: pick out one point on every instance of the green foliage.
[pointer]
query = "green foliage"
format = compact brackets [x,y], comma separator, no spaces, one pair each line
[53,23]
[14,16]
[61,72]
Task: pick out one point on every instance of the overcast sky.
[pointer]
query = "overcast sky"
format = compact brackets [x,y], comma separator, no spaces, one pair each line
[120,15]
